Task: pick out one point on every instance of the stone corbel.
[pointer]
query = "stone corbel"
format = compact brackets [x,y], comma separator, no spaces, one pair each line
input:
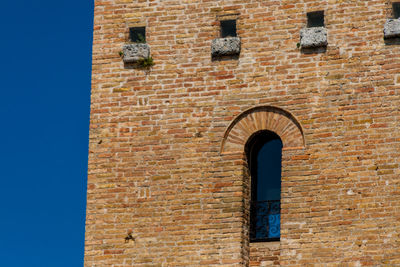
[391,28]
[229,46]
[313,37]
[135,52]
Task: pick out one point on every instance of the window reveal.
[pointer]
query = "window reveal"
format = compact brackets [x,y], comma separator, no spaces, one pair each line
[264,152]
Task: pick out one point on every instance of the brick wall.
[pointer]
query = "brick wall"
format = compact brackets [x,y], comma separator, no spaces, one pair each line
[155,165]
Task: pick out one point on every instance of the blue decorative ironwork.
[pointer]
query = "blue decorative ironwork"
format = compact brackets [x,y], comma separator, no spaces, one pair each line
[265,220]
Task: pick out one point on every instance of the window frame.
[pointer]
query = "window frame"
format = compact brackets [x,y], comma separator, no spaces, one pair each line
[253,148]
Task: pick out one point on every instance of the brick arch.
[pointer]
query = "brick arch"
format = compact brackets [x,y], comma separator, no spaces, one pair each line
[260,118]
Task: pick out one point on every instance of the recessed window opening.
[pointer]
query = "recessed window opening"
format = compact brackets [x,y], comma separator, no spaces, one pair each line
[137,34]
[228,28]
[315,19]
[396,10]
[264,154]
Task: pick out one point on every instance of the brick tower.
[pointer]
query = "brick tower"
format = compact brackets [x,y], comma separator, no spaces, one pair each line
[182,93]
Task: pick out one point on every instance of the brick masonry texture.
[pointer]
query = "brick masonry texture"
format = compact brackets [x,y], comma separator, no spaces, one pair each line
[155,161]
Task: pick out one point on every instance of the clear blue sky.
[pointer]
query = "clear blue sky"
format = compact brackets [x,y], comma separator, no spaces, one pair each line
[44,105]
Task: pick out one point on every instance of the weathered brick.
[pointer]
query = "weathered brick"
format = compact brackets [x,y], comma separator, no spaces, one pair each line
[166,143]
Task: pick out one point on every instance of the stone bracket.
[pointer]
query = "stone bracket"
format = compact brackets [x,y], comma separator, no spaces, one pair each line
[135,52]
[225,46]
[313,37]
[391,28]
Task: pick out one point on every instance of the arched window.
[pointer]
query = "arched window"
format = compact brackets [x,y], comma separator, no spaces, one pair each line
[264,154]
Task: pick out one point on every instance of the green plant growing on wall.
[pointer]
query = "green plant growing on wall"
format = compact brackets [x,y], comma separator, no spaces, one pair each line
[146,62]
[140,39]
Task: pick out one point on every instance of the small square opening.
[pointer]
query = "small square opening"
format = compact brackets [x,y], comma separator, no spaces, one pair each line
[396,10]
[315,19]
[137,34]
[228,28]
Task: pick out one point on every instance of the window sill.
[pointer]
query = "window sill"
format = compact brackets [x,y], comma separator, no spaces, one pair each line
[272,245]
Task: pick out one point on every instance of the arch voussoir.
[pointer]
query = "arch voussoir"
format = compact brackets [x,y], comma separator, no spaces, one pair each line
[261,118]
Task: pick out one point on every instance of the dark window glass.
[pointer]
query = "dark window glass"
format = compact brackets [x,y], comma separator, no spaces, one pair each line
[228,28]
[396,10]
[137,34]
[315,19]
[264,152]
